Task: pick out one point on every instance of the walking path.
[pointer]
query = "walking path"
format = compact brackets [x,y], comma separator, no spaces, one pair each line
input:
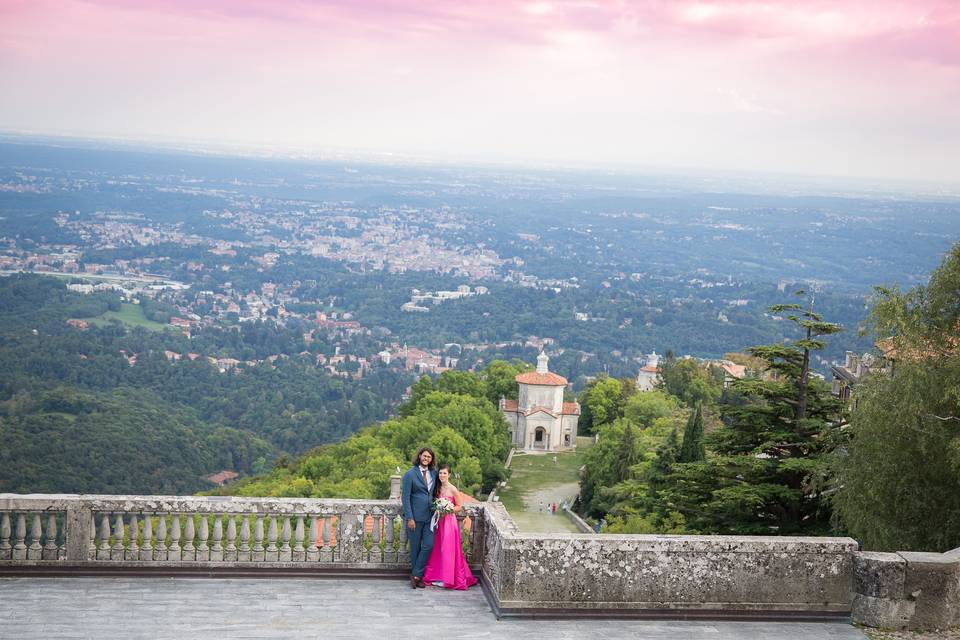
[536,482]
[185,608]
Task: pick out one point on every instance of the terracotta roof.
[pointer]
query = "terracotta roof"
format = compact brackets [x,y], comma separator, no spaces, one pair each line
[223,477]
[571,409]
[649,369]
[510,405]
[547,379]
[736,370]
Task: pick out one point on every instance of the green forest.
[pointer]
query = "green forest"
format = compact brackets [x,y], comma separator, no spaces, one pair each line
[776,453]
[76,416]
[456,416]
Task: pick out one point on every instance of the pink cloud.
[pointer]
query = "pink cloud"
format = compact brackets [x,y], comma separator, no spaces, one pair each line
[346,70]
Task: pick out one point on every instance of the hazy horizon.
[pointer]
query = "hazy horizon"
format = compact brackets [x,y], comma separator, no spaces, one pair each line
[852,90]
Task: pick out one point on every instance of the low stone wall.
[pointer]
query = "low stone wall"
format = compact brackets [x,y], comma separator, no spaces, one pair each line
[678,576]
[907,589]
[577,521]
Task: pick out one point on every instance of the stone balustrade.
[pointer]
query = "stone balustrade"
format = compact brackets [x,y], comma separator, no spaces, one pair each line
[759,577]
[213,532]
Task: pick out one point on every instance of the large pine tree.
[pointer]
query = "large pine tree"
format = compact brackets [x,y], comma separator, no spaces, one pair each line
[764,472]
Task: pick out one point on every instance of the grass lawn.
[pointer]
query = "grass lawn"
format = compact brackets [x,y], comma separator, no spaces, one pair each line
[129,314]
[536,482]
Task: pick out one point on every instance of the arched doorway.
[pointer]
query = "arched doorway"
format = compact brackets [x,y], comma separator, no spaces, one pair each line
[540,438]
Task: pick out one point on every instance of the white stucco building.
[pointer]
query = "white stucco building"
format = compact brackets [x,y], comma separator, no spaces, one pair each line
[649,373]
[540,420]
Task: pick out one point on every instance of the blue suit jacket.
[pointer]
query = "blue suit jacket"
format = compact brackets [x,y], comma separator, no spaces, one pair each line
[415,496]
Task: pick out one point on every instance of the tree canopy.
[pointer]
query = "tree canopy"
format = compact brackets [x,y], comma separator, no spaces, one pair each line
[898,484]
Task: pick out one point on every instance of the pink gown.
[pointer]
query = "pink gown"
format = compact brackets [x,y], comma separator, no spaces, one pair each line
[446,563]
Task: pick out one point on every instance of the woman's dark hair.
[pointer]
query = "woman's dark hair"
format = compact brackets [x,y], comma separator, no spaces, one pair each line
[433,457]
[436,487]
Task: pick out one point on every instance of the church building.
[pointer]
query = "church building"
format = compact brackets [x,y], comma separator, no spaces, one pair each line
[649,374]
[540,420]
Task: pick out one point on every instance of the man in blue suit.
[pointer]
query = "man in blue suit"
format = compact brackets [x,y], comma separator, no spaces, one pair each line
[417,497]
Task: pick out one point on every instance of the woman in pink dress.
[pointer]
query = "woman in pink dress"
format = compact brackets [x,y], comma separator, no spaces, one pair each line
[446,565]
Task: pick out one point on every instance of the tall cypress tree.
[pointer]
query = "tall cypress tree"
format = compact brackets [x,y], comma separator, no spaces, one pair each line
[693,449]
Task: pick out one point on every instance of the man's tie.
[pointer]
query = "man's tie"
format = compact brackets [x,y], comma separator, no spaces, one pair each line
[425,480]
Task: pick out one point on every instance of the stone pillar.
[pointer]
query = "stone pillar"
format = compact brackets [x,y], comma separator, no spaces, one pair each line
[907,589]
[78,531]
[350,535]
[395,481]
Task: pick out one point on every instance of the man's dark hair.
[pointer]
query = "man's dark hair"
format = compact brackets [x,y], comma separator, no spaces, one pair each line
[433,457]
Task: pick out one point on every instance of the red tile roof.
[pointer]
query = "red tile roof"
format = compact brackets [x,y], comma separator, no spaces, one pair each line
[735,370]
[223,477]
[571,409]
[510,405]
[650,369]
[547,379]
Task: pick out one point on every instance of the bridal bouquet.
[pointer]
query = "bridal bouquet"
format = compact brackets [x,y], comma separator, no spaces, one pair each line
[441,507]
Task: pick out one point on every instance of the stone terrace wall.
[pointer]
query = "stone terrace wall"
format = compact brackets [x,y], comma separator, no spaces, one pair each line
[699,575]
[907,589]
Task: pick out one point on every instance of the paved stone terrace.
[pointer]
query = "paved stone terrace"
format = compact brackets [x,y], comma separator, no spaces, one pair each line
[324,608]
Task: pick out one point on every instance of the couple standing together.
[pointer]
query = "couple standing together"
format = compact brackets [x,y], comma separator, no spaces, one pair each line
[436,555]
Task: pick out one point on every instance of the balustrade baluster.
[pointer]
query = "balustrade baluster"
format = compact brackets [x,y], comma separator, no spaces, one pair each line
[216,552]
[258,552]
[389,550]
[20,542]
[189,553]
[231,552]
[376,553]
[146,549]
[298,532]
[92,548]
[175,552]
[161,552]
[244,554]
[133,530]
[35,550]
[402,550]
[272,550]
[203,549]
[104,552]
[116,551]
[327,552]
[50,549]
[6,550]
[285,554]
[312,552]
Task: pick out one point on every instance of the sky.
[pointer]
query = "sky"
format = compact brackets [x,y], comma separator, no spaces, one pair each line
[860,88]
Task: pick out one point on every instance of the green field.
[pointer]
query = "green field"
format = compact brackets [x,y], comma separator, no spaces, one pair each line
[536,482]
[131,315]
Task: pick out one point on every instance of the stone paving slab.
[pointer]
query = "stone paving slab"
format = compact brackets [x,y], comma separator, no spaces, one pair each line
[356,609]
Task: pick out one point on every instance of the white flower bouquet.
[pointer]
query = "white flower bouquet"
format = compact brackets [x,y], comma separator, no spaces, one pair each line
[441,507]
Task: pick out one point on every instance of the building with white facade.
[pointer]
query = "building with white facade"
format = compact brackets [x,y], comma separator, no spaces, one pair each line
[540,420]
[649,373]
